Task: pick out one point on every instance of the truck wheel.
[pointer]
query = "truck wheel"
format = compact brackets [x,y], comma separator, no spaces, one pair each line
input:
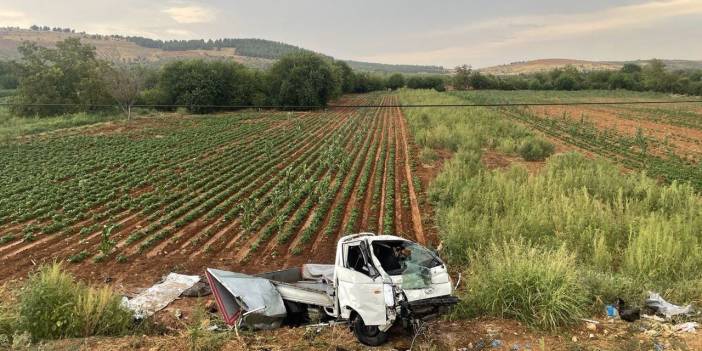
[368,335]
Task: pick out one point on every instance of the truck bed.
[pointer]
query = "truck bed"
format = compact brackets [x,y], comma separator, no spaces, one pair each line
[308,284]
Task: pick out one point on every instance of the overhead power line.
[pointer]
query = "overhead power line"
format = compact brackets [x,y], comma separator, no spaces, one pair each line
[310,107]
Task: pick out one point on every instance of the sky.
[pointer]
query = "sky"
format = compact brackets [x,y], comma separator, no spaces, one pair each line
[479,33]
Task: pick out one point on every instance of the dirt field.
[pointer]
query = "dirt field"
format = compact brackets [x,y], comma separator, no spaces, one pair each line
[244,191]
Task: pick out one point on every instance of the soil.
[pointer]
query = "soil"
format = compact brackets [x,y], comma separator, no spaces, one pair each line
[475,334]
[685,141]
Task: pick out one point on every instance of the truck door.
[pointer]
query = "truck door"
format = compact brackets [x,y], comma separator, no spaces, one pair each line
[360,286]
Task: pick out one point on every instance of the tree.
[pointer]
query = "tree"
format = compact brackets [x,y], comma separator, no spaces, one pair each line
[396,81]
[654,77]
[303,79]
[566,82]
[426,82]
[346,76]
[620,80]
[54,81]
[124,84]
[366,82]
[202,85]
[479,81]
[8,75]
[630,68]
[461,79]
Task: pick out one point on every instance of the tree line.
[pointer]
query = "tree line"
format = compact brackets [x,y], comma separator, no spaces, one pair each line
[651,77]
[71,78]
[244,47]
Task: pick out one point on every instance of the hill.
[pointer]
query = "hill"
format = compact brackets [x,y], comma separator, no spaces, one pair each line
[257,53]
[544,65]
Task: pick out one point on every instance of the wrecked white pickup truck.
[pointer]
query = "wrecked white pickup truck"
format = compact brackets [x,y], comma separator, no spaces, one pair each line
[375,282]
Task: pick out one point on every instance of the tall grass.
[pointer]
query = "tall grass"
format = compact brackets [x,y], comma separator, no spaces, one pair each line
[53,305]
[12,126]
[627,232]
[539,287]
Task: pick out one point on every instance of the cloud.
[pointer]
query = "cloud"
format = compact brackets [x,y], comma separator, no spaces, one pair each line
[179,32]
[521,31]
[14,18]
[190,14]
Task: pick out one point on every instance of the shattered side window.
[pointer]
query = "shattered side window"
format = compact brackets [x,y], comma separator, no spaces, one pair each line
[407,259]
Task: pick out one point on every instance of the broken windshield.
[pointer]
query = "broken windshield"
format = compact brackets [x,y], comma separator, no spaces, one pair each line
[397,256]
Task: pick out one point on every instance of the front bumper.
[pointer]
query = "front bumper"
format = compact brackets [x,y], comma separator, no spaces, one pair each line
[427,309]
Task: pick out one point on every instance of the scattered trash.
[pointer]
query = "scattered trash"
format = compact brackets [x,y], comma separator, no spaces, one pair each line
[667,309]
[689,327]
[653,317]
[514,347]
[630,315]
[496,343]
[160,295]
[200,289]
[211,306]
[591,326]
[574,338]
[178,313]
[611,311]
[627,314]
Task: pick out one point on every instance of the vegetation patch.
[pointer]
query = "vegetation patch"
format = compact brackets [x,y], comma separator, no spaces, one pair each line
[540,287]
[628,232]
[52,305]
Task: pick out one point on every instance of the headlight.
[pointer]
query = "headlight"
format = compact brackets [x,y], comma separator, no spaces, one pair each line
[389,295]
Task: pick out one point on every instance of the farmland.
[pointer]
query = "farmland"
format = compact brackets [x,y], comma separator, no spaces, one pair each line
[243,190]
[663,140]
[547,241]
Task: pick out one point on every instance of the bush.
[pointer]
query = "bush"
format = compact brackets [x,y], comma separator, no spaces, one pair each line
[427,156]
[535,149]
[303,79]
[8,318]
[53,305]
[200,85]
[539,287]
[396,81]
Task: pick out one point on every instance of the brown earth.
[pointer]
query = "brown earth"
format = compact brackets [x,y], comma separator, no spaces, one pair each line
[228,247]
[475,334]
[686,142]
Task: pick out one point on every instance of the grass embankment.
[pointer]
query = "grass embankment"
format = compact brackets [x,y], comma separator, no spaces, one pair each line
[550,247]
[52,305]
[12,126]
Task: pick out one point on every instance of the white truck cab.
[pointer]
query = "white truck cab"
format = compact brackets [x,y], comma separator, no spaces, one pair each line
[375,282]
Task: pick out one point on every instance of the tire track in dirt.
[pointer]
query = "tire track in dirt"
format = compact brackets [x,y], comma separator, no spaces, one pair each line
[367,213]
[414,203]
[244,254]
[226,230]
[383,191]
[400,218]
[321,243]
[354,198]
[319,142]
[273,244]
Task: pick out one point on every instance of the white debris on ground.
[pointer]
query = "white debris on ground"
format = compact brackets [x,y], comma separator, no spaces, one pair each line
[160,295]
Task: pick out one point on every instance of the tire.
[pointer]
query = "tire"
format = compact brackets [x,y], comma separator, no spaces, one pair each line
[368,335]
